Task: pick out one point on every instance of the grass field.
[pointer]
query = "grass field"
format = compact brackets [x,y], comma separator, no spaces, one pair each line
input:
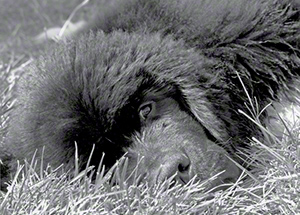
[272,187]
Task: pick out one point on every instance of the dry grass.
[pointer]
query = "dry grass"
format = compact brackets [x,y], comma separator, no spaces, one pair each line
[272,187]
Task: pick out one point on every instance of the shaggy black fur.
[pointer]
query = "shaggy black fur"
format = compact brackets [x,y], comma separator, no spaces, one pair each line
[89,89]
[257,39]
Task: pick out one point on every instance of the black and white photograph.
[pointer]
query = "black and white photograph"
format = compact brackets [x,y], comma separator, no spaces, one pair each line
[151,107]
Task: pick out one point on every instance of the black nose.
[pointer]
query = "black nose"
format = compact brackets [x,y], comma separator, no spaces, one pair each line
[177,164]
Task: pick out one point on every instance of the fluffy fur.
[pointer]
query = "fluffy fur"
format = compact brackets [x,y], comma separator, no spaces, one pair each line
[257,39]
[88,90]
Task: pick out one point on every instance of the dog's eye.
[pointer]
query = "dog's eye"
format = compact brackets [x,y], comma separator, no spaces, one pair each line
[146,110]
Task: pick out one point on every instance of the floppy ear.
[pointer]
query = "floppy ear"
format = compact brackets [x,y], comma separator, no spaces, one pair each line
[202,109]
